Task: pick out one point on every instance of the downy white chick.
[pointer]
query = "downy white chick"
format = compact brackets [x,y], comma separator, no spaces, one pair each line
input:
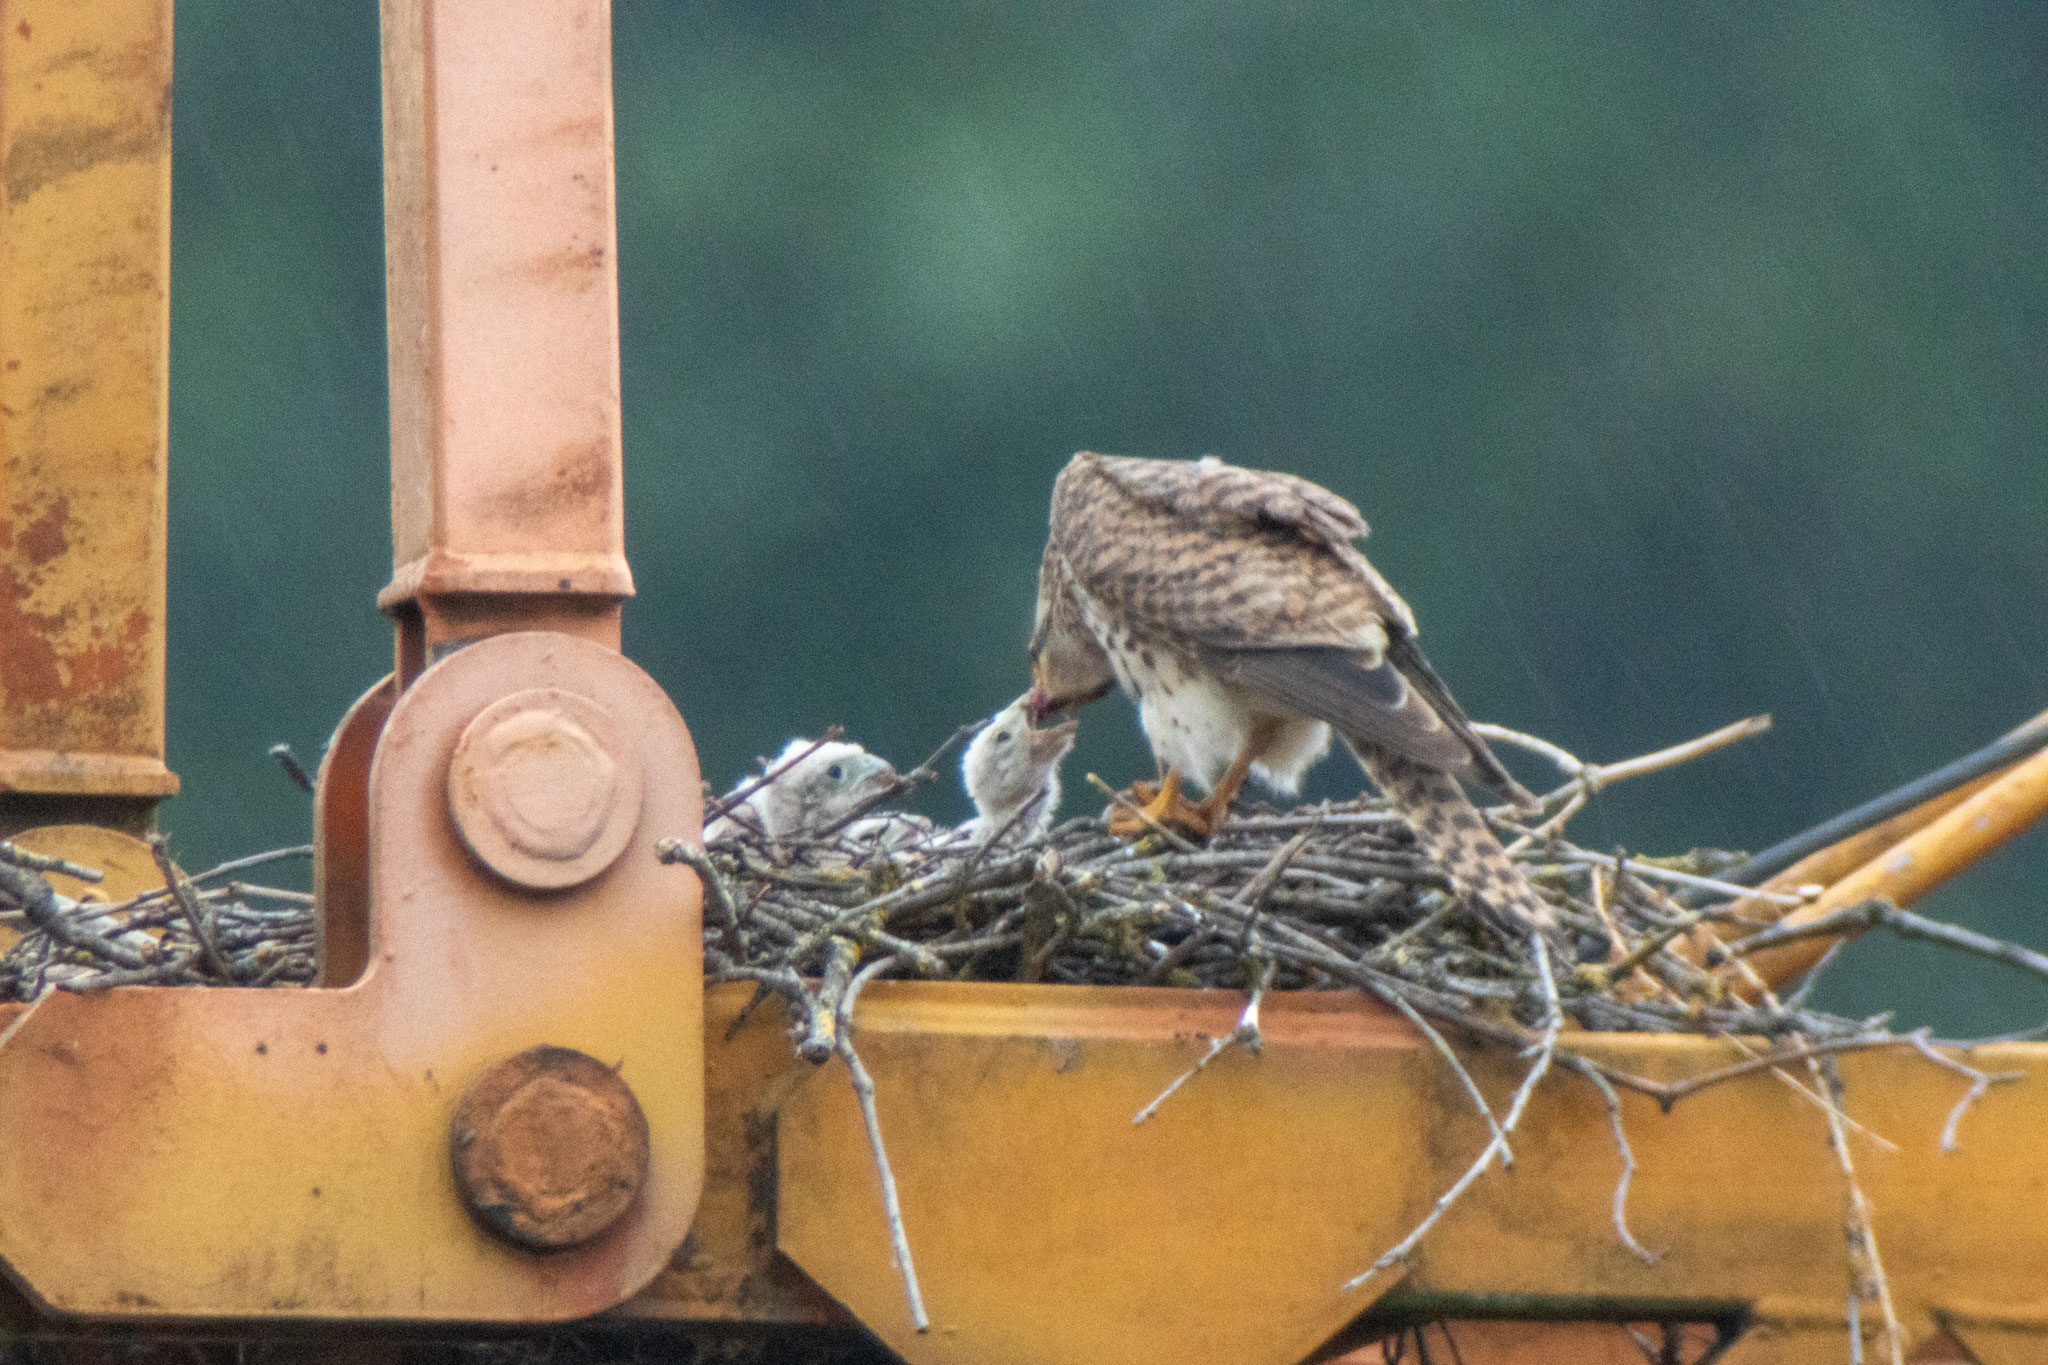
[820,788]
[1012,772]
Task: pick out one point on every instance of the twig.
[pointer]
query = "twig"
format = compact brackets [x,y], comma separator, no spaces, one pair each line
[864,1092]
[14,1025]
[38,902]
[1747,728]
[162,974]
[220,870]
[674,850]
[1866,1267]
[1980,1081]
[1565,761]
[1628,1156]
[1638,867]
[289,761]
[1414,1016]
[181,892]
[1904,923]
[43,862]
[1253,896]
[1669,1093]
[1597,776]
[1246,1033]
[240,890]
[821,1040]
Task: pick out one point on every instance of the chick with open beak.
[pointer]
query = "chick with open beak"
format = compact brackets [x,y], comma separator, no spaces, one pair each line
[1012,773]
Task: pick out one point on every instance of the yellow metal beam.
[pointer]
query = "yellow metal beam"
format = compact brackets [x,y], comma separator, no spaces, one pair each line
[1047,1228]
[85,193]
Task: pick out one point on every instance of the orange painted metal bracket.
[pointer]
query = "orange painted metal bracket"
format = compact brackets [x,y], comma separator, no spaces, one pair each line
[279,1153]
[85,192]
[507,508]
[1047,1228]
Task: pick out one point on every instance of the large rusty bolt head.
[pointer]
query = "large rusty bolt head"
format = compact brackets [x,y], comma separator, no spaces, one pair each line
[549,1148]
[543,789]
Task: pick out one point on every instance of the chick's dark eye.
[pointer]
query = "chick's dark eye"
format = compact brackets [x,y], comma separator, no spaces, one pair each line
[835,772]
[1002,736]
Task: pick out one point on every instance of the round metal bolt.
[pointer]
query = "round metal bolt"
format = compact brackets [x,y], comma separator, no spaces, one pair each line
[549,1148]
[543,789]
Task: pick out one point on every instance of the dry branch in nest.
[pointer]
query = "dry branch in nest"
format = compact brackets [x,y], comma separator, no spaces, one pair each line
[214,929]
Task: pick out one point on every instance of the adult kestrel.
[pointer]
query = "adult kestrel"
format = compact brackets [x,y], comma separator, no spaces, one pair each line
[1233,607]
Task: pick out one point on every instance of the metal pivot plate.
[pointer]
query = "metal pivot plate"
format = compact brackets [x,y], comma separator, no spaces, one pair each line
[544,791]
[243,1153]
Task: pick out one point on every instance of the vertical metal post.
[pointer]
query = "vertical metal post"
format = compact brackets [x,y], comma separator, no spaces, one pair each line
[506,502]
[85,198]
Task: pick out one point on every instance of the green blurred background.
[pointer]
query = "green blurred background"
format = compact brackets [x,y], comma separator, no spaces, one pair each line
[1688,361]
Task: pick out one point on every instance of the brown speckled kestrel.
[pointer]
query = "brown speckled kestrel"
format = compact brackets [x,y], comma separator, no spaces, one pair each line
[1233,607]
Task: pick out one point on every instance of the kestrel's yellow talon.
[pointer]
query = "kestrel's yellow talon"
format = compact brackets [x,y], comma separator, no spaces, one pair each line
[1165,807]
[1166,798]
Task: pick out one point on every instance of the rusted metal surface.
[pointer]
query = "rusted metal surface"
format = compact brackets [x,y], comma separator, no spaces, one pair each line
[341,843]
[549,1147]
[236,1153]
[543,791]
[507,505]
[1048,1229]
[85,161]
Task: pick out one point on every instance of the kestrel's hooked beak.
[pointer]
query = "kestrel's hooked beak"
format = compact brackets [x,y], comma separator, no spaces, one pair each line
[1039,705]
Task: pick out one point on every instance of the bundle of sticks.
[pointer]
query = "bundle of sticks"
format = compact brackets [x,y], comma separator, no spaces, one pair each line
[215,929]
[1336,895]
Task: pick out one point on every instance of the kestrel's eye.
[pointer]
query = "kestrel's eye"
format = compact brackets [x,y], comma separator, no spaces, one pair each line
[1002,736]
[835,772]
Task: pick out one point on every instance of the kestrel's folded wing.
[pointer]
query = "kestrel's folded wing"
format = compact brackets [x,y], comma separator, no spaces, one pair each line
[1363,700]
[1399,704]
[1404,654]
[1200,552]
[1253,574]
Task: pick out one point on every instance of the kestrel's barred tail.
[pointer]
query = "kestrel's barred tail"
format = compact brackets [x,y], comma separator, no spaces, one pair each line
[1450,828]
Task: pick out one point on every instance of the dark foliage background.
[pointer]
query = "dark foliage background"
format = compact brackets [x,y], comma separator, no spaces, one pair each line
[1689,363]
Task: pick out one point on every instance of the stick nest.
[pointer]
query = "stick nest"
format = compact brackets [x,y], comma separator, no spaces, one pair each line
[1336,896]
